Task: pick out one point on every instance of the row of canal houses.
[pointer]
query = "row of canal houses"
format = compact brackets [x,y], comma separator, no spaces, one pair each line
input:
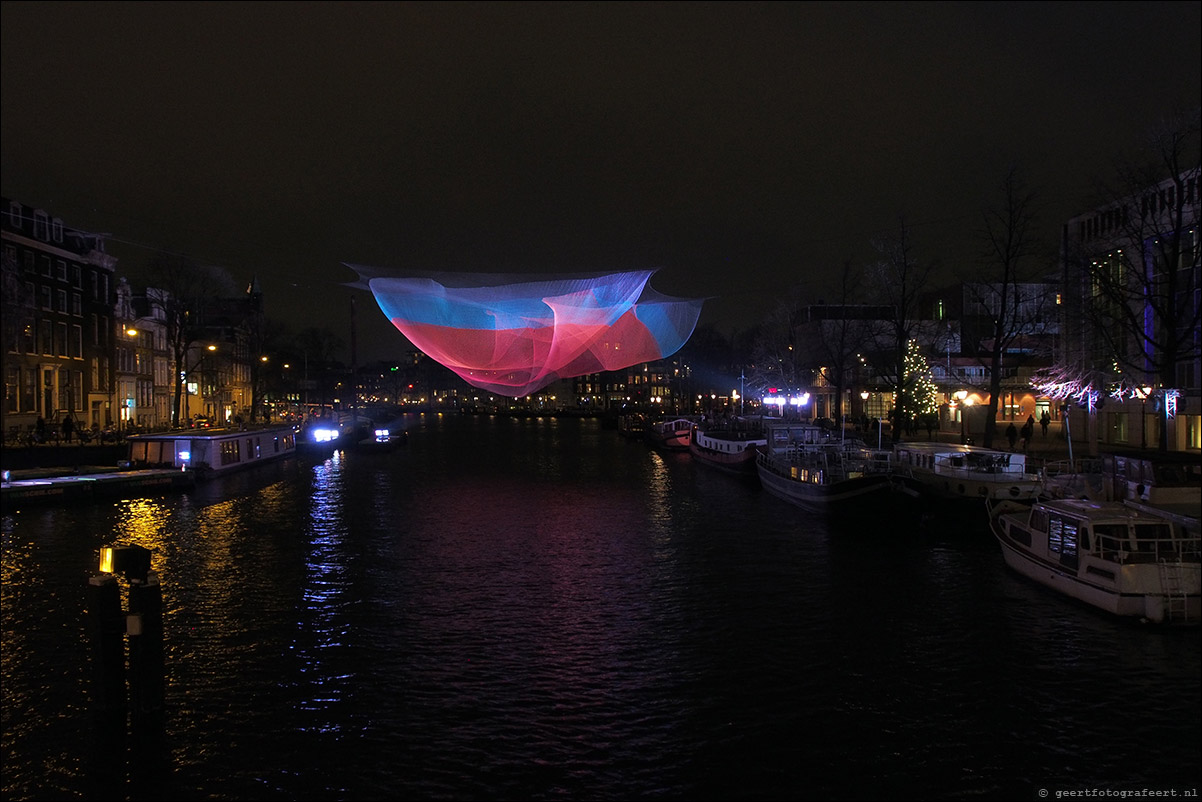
[81,342]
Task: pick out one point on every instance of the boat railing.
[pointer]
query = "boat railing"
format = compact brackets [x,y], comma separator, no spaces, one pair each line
[1075,467]
[1147,549]
[989,473]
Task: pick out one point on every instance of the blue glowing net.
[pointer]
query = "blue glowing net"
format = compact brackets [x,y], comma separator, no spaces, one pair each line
[513,335]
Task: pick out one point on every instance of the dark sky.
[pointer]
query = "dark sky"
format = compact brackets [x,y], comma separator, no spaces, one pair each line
[744,149]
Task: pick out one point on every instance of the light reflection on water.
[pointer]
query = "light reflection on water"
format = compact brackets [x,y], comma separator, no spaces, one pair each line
[541,610]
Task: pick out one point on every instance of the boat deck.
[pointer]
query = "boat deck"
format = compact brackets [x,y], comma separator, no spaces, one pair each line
[23,488]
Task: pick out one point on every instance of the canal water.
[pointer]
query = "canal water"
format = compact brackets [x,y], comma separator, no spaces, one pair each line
[540,609]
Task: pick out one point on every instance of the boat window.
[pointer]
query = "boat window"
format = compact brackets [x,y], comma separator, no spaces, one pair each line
[230,452]
[1068,546]
[1057,526]
[1039,520]
[1147,535]
[1111,538]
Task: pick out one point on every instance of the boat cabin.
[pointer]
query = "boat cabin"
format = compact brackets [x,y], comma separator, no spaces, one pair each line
[1070,528]
[215,451]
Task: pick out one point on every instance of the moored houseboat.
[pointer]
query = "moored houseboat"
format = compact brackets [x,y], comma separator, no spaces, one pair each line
[212,452]
[943,472]
[802,464]
[729,446]
[672,434]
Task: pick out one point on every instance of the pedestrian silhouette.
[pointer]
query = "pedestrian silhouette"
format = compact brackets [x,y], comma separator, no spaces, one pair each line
[1011,435]
[1044,420]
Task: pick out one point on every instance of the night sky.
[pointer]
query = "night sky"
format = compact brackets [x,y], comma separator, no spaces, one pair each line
[747,150]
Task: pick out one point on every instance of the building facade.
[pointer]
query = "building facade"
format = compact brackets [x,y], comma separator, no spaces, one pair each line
[58,296]
[1129,364]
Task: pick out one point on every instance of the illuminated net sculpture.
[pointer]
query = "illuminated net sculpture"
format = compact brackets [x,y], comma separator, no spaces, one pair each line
[513,335]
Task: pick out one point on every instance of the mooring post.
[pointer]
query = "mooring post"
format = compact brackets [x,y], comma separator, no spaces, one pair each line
[106,633]
[106,629]
[145,648]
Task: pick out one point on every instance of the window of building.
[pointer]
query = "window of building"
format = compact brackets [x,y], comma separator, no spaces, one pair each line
[61,343]
[14,215]
[77,399]
[29,390]
[61,268]
[12,388]
[47,298]
[62,300]
[1119,427]
[76,276]
[1193,431]
[29,337]
[56,229]
[41,226]
[76,304]
[46,337]
[44,261]
[27,261]
[77,342]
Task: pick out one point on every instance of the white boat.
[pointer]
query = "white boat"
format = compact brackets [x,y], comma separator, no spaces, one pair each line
[730,447]
[212,452]
[944,471]
[1123,560]
[672,434]
[802,464]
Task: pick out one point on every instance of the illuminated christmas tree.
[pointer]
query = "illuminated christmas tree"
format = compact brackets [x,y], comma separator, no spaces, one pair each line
[922,396]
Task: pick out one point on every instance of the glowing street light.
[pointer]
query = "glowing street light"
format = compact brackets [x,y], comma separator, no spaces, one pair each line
[965,401]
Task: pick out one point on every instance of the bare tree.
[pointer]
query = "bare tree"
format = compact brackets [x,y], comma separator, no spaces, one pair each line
[1140,299]
[774,354]
[900,280]
[710,356]
[319,347]
[181,289]
[1012,262]
[835,335]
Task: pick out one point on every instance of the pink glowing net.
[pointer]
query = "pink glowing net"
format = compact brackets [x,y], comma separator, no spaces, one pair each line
[514,335]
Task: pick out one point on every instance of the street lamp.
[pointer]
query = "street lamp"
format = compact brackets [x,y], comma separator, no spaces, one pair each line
[962,397]
[1145,391]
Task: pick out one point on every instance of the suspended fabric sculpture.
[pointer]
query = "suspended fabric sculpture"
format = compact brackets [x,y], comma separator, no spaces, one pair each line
[513,335]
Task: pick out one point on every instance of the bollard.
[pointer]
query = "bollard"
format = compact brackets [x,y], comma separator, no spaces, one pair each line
[136,720]
[106,630]
[106,633]
[146,648]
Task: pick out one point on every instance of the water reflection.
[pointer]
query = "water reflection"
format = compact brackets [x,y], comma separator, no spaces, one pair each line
[325,613]
[514,609]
